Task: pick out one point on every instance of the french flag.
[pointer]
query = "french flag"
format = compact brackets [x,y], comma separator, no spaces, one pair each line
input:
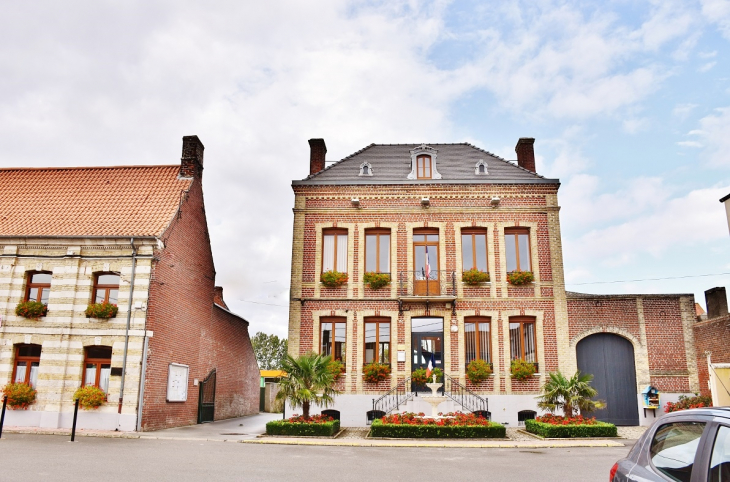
[428,266]
[429,368]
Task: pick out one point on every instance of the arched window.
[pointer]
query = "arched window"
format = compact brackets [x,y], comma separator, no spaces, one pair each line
[27,362]
[97,366]
[106,288]
[481,168]
[366,169]
[38,287]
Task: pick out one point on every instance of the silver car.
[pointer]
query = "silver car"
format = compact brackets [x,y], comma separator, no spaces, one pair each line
[690,445]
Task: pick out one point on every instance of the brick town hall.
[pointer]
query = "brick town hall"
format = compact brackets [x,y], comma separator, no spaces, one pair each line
[426,213]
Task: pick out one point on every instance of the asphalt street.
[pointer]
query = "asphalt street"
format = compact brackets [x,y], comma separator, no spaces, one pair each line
[50,457]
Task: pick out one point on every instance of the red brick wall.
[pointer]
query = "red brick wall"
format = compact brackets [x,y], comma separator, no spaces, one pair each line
[188,329]
[713,336]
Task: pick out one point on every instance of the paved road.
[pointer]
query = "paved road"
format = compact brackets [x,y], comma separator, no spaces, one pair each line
[51,457]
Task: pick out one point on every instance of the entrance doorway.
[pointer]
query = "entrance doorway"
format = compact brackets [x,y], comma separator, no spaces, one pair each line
[427,336]
[610,359]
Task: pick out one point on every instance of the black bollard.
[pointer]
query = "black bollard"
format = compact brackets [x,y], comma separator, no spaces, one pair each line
[76,414]
[2,417]
[283,412]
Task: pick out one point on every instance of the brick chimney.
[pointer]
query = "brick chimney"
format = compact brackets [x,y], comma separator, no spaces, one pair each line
[716,300]
[317,153]
[191,164]
[526,153]
[218,297]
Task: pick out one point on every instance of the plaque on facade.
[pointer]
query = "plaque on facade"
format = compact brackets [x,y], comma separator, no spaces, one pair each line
[177,383]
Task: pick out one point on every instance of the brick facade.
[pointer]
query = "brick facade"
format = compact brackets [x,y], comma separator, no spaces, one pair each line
[711,336]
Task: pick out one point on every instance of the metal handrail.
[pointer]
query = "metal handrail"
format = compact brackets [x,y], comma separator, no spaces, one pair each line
[463,396]
[445,279]
[396,396]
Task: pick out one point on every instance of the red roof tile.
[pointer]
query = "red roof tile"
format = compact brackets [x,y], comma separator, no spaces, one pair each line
[89,201]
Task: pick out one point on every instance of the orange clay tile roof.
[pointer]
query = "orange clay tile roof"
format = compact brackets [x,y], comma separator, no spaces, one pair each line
[89,201]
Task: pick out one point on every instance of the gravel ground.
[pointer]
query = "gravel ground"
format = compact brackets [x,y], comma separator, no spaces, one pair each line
[631,433]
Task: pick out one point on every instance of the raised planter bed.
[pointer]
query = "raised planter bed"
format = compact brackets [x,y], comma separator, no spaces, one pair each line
[296,427]
[592,429]
[458,426]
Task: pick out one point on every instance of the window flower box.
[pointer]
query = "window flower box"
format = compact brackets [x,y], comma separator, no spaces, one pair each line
[376,280]
[375,372]
[20,395]
[474,277]
[522,370]
[336,368]
[478,370]
[31,309]
[333,279]
[90,397]
[103,311]
[519,278]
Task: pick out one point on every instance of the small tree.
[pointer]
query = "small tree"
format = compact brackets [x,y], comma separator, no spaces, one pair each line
[309,381]
[270,350]
[569,394]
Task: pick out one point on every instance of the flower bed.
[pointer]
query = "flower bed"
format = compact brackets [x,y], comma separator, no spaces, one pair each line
[552,426]
[456,425]
[316,426]
[686,402]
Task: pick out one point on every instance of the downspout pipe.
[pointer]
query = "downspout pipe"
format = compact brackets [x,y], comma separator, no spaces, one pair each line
[129,320]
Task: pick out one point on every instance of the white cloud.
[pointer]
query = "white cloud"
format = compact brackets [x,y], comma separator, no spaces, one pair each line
[718,12]
[683,110]
[713,132]
[706,67]
[690,144]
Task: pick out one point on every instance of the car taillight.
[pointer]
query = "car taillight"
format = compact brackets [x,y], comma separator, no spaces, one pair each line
[612,474]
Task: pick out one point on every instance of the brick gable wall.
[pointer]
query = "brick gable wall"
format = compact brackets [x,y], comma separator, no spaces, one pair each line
[711,336]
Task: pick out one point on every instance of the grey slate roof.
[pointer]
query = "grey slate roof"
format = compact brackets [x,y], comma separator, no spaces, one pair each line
[391,164]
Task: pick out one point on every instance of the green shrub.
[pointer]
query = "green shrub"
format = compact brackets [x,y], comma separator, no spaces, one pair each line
[375,372]
[103,311]
[380,429]
[20,395]
[518,278]
[31,309]
[473,277]
[285,427]
[478,371]
[597,429]
[376,280]
[419,376]
[522,370]
[90,397]
[333,279]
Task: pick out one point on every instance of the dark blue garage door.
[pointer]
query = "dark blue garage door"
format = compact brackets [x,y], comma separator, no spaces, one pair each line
[610,359]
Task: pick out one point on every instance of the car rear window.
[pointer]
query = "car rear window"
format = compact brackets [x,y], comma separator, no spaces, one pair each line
[674,447]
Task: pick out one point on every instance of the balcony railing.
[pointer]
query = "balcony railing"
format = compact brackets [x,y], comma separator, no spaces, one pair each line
[435,283]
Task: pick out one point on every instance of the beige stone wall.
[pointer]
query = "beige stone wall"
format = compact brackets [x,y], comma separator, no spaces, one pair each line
[65,331]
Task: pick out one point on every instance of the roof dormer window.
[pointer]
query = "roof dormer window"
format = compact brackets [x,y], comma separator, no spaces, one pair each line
[423,163]
[366,169]
[481,168]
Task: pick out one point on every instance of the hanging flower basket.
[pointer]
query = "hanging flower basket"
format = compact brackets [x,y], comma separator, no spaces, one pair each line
[20,395]
[90,397]
[478,371]
[333,279]
[522,370]
[31,309]
[376,280]
[103,311]
[519,278]
[375,372]
[474,277]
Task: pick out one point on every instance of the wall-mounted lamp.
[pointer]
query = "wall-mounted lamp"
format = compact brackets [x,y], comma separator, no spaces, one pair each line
[425,202]
[355,202]
[495,201]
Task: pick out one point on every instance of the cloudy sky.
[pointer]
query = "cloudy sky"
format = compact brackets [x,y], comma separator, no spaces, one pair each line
[629,102]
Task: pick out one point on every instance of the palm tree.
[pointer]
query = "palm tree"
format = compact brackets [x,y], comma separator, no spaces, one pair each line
[570,394]
[309,380]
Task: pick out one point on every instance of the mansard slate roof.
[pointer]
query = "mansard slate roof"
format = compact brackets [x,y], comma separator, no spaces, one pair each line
[89,201]
[391,164]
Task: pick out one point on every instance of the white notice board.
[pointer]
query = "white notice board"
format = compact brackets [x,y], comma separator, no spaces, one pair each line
[177,382]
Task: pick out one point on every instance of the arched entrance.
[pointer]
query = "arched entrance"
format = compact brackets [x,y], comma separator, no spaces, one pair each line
[610,359]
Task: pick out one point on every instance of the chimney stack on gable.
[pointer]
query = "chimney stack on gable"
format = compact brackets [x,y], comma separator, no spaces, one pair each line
[317,153]
[526,153]
[191,164]
[218,297]
[716,300]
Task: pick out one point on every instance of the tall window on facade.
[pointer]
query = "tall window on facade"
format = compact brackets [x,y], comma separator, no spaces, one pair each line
[423,167]
[377,340]
[334,250]
[97,366]
[377,250]
[106,288]
[522,339]
[27,361]
[517,249]
[477,339]
[39,287]
[333,335]
[474,249]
